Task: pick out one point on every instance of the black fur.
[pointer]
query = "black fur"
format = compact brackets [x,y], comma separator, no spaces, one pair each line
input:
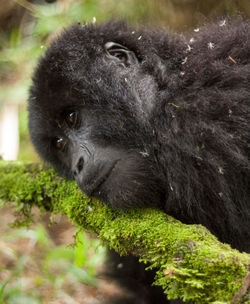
[170,130]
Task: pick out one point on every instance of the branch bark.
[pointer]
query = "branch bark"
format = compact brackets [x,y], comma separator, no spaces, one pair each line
[192,264]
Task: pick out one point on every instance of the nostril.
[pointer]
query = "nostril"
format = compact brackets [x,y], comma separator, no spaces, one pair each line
[80,164]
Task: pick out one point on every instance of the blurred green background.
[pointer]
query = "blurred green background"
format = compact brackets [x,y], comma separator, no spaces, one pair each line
[36,265]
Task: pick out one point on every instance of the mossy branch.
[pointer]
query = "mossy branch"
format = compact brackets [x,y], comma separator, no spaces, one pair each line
[192,264]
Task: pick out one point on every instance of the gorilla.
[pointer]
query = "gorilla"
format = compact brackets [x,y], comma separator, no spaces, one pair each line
[147,118]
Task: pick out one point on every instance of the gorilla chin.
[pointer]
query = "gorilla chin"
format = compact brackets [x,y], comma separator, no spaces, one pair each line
[128,183]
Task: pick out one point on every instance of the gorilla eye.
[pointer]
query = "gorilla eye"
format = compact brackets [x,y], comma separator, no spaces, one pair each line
[59,143]
[71,119]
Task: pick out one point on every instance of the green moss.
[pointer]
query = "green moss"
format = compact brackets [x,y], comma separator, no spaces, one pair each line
[192,264]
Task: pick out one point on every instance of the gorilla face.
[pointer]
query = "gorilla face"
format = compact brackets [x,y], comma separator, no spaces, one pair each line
[89,117]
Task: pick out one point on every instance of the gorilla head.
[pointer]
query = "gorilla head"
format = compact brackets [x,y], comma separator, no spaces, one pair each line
[89,116]
[144,118]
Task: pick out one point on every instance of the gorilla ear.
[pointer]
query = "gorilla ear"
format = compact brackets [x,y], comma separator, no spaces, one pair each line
[121,52]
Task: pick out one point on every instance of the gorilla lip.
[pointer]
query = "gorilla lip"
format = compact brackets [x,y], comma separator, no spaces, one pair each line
[97,185]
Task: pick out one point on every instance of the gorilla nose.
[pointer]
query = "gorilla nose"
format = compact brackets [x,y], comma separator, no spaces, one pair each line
[77,169]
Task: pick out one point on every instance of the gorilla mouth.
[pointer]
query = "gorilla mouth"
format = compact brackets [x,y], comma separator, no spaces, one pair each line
[95,189]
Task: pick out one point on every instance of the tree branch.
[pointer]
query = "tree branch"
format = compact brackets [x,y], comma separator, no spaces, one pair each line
[192,264]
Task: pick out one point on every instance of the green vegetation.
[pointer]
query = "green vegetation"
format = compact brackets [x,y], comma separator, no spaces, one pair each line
[59,269]
[192,263]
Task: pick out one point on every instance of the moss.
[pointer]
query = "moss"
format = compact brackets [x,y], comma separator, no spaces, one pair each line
[192,264]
